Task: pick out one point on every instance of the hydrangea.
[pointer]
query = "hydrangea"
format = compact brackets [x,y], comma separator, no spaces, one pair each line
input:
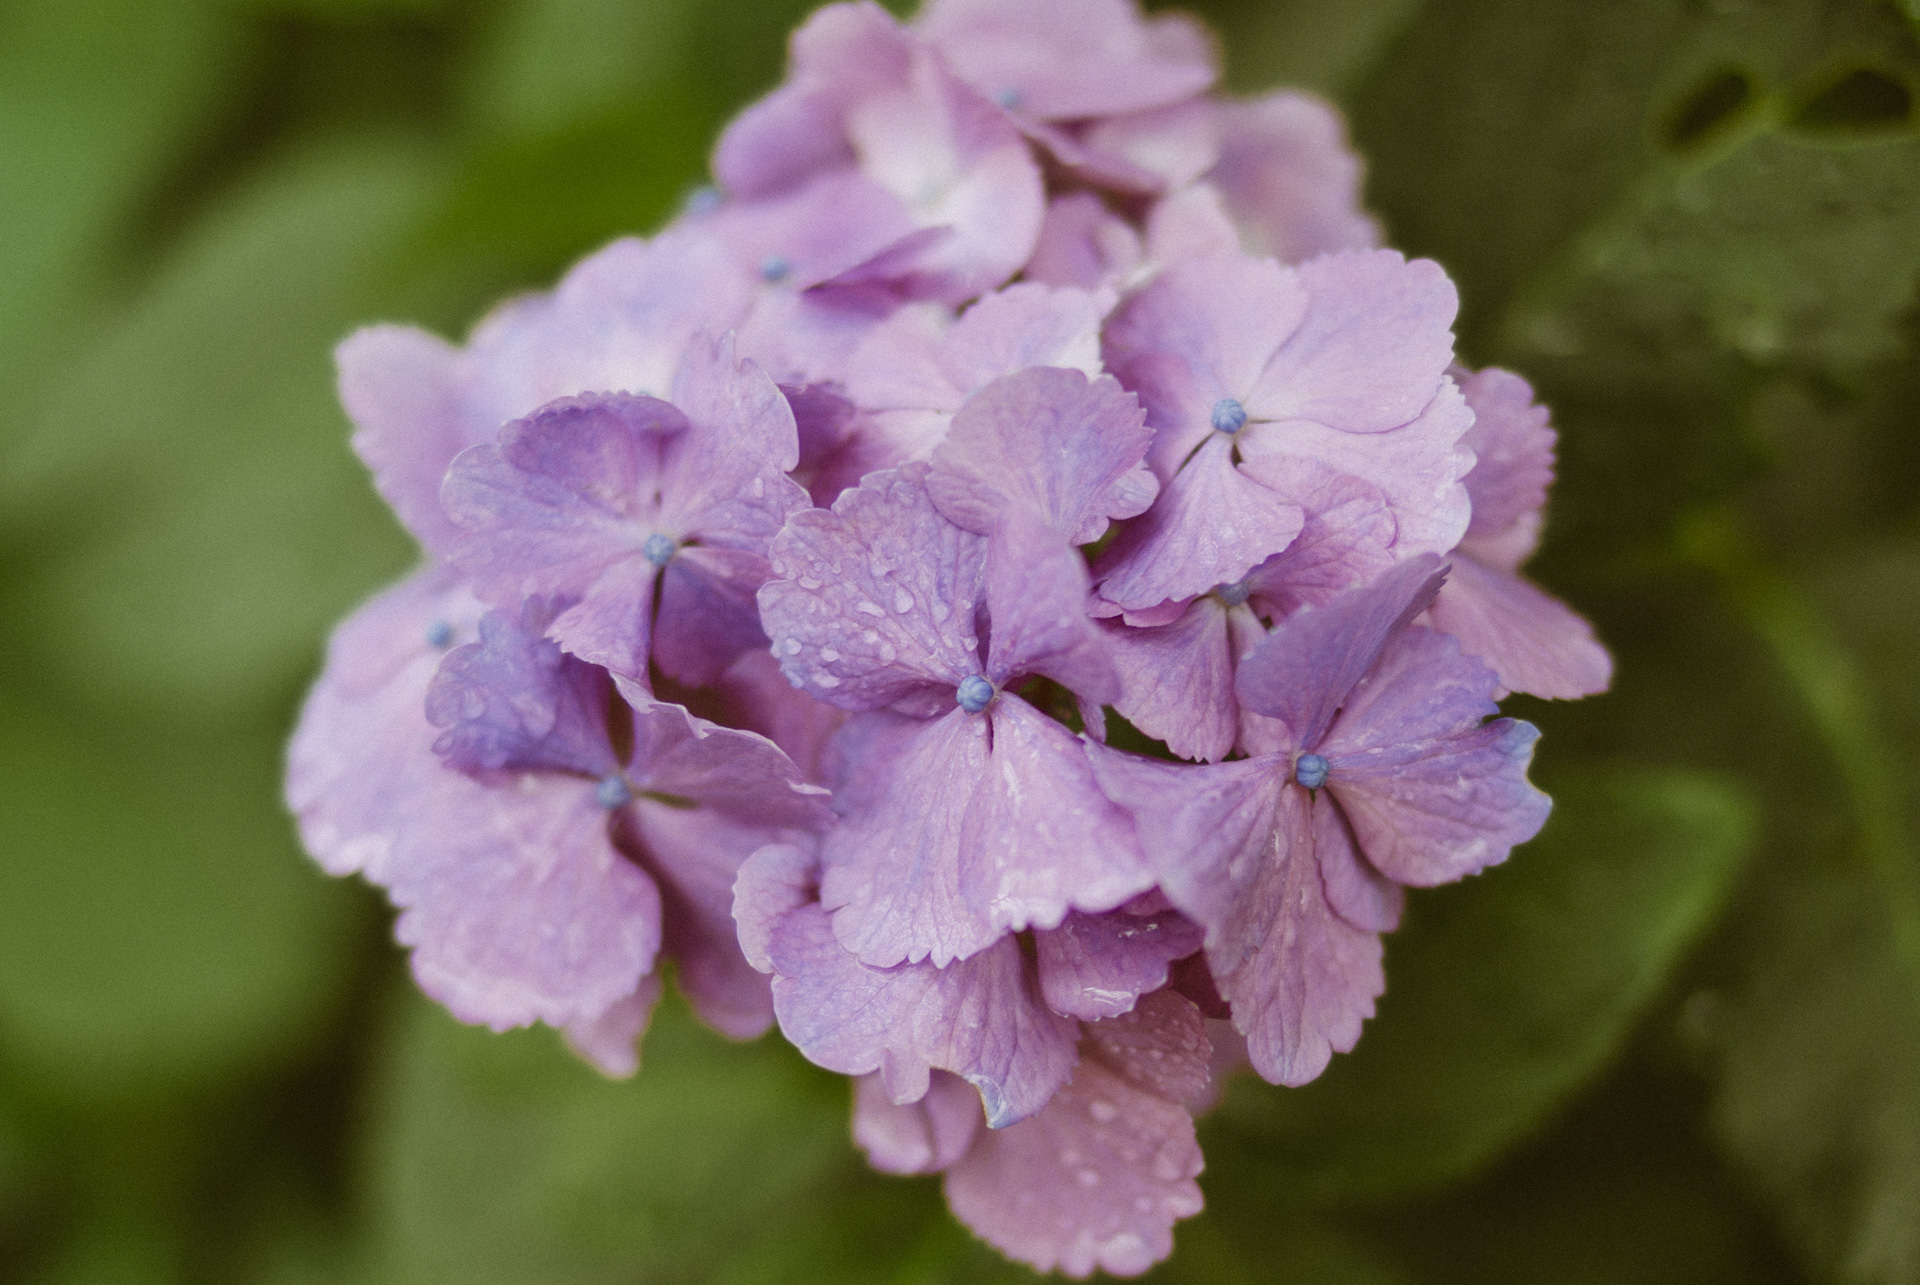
[784,573]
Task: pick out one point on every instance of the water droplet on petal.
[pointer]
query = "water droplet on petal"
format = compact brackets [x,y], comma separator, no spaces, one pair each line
[902,600]
[1103,1111]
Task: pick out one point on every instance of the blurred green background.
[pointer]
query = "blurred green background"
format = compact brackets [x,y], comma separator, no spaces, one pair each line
[1676,1039]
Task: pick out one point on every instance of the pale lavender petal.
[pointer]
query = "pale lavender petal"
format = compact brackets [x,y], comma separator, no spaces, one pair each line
[1360,894]
[917,1137]
[1290,178]
[1347,540]
[611,1041]
[402,389]
[1371,348]
[981,1018]
[1050,445]
[516,903]
[363,745]
[1212,525]
[773,881]
[1070,59]
[1310,664]
[1512,444]
[892,868]
[1416,468]
[1037,590]
[1094,1182]
[1083,244]
[612,624]
[1190,223]
[1176,680]
[1533,641]
[1162,1046]
[874,600]
[1432,793]
[754,695]
[741,775]
[1095,966]
[1175,144]
[1042,839]
[828,225]
[709,613]
[724,481]
[514,700]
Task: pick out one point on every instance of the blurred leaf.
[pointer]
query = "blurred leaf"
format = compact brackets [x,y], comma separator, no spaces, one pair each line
[159,928]
[207,522]
[1506,993]
[504,1158]
[1321,45]
[97,97]
[549,63]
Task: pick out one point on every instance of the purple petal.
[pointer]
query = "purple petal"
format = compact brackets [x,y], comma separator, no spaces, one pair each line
[1211,526]
[362,749]
[611,1041]
[740,774]
[402,389]
[815,232]
[773,881]
[709,612]
[1307,667]
[517,904]
[1070,59]
[1360,894]
[1036,595]
[1290,178]
[514,700]
[1176,681]
[1162,1046]
[1175,144]
[1094,1182]
[753,695]
[917,1137]
[1050,445]
[1347,540]
[724,481]
[1534,642]
[1432,793]
[981,1018]
[1095,966]
[875,599]
[612,624]
[1190,224]
[1083,244]
[1512,444]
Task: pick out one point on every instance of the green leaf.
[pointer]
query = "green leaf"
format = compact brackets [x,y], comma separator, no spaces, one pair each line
[97,97]
[198,517]
[504,1158]
[159,929]
[545,64]
[1507,993]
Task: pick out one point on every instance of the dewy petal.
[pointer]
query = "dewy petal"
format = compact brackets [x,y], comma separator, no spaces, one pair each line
[1050,445]
[1094,1182]
[1534,642]
[875,599]
[724,481]
[1176,680]
[1095,966]
[1512,444]
[1305,670]
[1211,526]
[402,389]
[363,744]
[1070,59]
[755,696]
[1432,793]
[1236,848]
[1291,181]
[917,1137]
[981,1018]
[514,700]
[1347,540]
[611,1041]
[709,612]
[1036,595]
[740,774]
[517,904]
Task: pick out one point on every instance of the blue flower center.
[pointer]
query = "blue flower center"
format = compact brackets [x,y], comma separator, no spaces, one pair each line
[1008,98]
[975,693]
[659,549]
[704,200]
[1229,416]
[440,634]
[1232,594]
[774,268]
[1311,771]
[613,792]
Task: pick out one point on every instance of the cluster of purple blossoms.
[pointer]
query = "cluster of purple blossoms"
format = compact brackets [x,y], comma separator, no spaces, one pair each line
[784,573]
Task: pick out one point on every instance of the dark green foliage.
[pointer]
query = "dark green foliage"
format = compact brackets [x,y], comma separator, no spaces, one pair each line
[1675,1039]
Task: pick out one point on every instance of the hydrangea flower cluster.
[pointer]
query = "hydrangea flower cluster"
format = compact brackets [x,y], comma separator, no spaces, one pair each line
[785,573]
